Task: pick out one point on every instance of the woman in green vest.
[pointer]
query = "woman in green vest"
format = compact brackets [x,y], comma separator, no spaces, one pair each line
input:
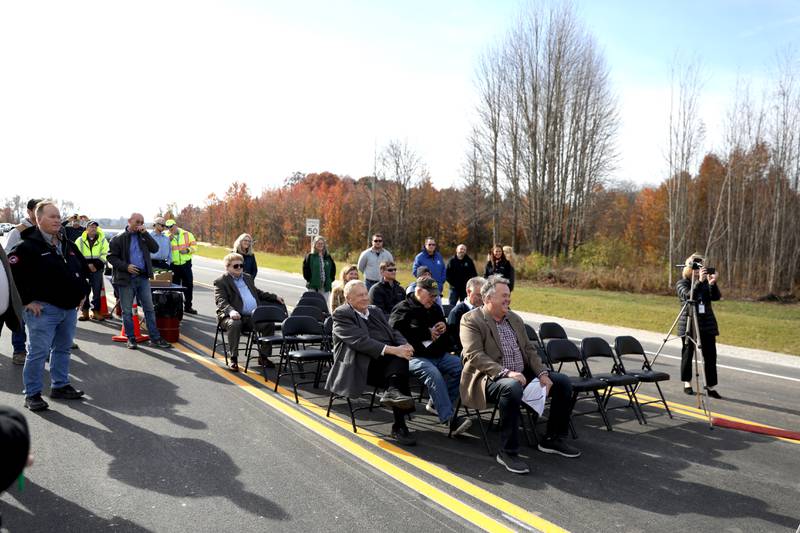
[319,268]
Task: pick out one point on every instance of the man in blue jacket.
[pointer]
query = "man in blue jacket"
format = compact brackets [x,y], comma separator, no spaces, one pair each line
[431,258]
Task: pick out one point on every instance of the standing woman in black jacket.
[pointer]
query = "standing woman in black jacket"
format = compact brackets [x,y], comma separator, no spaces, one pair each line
[243,245]
[705,292]
[499,264]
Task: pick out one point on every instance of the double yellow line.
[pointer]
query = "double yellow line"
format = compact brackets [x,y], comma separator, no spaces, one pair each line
[509,511]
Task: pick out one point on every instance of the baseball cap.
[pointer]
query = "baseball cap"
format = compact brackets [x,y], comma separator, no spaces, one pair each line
[158,220]
[429,284]
[96,223]
[169,223]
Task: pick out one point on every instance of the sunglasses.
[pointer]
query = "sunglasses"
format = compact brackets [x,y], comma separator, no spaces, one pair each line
[237,266]
[391,270]
[377,240]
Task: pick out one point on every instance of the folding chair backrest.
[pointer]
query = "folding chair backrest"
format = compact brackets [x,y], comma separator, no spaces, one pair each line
[563,351]
[314,302]
[310,311]
[596,347]
[327,331]
[301,325]
[627,345]
[312,294]
[268,314]
[551,330]
[532,336]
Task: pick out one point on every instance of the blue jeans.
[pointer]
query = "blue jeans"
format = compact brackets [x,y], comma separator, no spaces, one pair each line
[369,283]
[18,338]
[455,296]
[139,286]
[442,376]
[50,336]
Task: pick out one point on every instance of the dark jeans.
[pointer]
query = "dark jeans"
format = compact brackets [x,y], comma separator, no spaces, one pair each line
[456,296]
[18,338]
[182,275]
[95,286]
[234,328]
[507,394]
[390,371]
[370,282]
[709,346]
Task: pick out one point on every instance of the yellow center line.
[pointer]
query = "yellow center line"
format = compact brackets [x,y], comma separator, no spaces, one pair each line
[435,495]
[504,506]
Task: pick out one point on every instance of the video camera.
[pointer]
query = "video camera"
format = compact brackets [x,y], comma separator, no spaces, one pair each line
[697,264]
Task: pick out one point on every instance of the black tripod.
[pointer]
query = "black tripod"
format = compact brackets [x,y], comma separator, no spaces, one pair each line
[692,335]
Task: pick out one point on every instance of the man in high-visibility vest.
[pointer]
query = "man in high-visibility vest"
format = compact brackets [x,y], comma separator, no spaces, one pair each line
[94,247]
[183,245]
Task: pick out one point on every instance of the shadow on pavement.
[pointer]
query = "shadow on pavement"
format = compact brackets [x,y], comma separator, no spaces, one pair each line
[46,511]
[175,466]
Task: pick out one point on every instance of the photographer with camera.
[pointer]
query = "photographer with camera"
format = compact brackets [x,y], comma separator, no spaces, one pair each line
[705,292]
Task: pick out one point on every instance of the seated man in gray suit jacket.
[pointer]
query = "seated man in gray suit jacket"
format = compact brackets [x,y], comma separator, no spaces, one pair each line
[368,351]
[237,297]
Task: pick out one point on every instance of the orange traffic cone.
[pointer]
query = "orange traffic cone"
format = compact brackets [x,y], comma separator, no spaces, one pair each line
[104,304]
[137,333]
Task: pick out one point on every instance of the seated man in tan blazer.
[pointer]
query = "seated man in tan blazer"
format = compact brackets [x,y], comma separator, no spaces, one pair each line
[237,297]
[499,361]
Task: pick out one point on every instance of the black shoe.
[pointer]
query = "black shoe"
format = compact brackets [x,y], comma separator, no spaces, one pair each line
[265,363]
[395,399]
[160,343]
[35,402]
[459,424]
[75,346]
[513,464]
[67,392]
[190,310]
[132,345]
[558,446]
[403,436]
[689,391]
[713,394]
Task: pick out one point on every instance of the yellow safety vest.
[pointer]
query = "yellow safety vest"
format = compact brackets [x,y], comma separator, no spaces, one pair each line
[183,240]
[98,251]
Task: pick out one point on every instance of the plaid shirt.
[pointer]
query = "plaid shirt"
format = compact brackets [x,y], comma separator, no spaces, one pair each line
[512,355]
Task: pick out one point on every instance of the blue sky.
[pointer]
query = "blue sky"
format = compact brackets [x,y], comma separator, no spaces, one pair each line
[173,100]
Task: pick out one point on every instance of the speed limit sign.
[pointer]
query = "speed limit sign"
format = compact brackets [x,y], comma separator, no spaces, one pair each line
[312,227]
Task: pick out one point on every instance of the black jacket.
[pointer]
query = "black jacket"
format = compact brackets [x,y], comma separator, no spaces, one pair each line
[459,271]
[119,254]
[704,293]
[228,299]
[250,265]
[386,296]
[504,268]
[12,318]
[42,274]
[15,442]
[414,322]
[454,323]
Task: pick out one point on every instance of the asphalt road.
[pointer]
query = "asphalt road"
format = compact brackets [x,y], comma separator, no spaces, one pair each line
[168,440]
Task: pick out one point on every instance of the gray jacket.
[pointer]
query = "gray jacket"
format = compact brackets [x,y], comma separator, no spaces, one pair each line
[355,345]
[16,234]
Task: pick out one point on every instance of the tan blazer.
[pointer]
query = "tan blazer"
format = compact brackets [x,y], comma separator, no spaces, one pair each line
[483,357]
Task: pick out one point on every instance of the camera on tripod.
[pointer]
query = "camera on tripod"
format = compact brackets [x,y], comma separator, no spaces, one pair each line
[697,264]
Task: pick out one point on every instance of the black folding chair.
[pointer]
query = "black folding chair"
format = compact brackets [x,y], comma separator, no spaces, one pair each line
[560,351]
[319,303]
[446,308]
[477,414]
[549,331]
[219,340]
[263,316]
[309,310]
[298,333]
[597,348]
[534,338]
[313,294]
[629,346]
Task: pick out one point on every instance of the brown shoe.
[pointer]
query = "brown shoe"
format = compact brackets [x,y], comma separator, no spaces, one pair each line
[96,316]
[84,316]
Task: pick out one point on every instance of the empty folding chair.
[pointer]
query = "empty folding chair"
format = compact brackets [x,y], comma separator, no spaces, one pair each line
[300,334]
[549,331]
[534,338]
[262,317]
[597,348]
[308,310]
[313,294]
[446,308]
[560,351]
[319,303]
[629,346]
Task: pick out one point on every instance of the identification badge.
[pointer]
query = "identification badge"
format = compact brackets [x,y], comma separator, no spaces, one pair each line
[701,308]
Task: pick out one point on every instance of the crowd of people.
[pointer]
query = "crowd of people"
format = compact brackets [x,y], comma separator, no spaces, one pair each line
[383,333]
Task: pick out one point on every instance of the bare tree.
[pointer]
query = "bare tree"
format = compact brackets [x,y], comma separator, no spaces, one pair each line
[401,165]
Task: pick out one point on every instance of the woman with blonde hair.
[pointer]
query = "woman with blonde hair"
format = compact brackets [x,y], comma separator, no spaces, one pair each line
[319,268]
[705,291]
[350,272]
[243,245]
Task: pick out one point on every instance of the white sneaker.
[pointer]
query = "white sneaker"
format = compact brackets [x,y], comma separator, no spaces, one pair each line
[430,408]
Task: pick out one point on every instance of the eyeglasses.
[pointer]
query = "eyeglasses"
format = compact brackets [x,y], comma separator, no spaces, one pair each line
[377,240]
[391,270]
[237,266]
[431,244]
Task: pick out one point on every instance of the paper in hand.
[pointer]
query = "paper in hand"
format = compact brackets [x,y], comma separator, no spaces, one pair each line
[535,395]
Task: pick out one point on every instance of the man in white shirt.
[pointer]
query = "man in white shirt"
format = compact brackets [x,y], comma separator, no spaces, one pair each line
[369,262]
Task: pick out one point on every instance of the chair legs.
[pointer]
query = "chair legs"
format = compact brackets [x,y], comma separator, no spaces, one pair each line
[220,333]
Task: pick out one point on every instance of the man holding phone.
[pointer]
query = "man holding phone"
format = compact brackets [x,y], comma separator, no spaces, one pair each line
[129,254]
